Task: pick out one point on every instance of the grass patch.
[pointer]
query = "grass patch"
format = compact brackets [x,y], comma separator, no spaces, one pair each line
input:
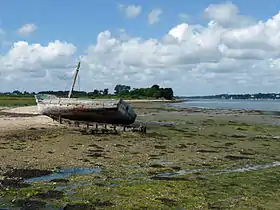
[15,101]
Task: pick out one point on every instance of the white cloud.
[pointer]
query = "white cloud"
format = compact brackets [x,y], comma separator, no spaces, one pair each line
[25,64]
[193,59]
[131,11]
[184,16]
[227,15]
[27,29]
[154,16]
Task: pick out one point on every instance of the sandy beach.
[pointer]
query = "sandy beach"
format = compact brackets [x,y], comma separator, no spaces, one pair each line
[21,118]
[190,158]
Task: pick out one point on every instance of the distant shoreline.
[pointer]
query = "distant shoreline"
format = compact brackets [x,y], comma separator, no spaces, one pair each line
[155,100]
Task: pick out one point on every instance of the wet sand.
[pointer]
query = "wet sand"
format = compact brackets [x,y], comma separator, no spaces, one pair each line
[180,145]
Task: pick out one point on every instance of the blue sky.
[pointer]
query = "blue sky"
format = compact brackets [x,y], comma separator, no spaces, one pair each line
[221,47]
[80,22]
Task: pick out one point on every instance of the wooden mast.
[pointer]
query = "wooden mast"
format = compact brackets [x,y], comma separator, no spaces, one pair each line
[74,81]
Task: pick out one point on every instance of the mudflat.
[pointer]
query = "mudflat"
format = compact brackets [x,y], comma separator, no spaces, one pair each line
[189,158]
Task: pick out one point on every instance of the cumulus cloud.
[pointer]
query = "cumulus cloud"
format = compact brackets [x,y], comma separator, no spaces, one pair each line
[154,16]
[131,11]
[193,59]
[227,15]
[27,29]
[26,63]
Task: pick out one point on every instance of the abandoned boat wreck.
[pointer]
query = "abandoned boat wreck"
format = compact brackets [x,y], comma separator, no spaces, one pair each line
[114,112]
[106,111]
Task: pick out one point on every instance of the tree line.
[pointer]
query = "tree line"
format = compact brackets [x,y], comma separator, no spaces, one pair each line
[120,90]
[240,96]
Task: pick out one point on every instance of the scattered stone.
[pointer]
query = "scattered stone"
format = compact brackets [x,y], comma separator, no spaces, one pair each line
[247,152]
[236,157]
[177,168]
[102,203]
[207,151]
[170,178]
[100,184]
[192,143]
[119,145]
[261,137]
[96,150]
[134,152]
[30,204]
[96,154]
[60,180]
[157,166]
[228,144]
[13,182]
[241,129]
[160,146]
[51,194]
[182,146]
[27,173]
[238,136]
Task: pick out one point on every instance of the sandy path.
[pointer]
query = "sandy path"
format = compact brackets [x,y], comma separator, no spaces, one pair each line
[8,123]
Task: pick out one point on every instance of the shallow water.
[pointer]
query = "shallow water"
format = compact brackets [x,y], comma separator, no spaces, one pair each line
[250,168]
[217,172]
[264,105]
[63,173]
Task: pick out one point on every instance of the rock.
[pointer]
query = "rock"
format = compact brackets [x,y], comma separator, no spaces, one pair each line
[239,136]
[60,180]
[12,182]
[51,194]
[207,151]
[30,204]
[247,152]
[160,146]
[157,166]
[27,173]
[228,144]
[182,146]
[79,206]
[236,157]
[170,178]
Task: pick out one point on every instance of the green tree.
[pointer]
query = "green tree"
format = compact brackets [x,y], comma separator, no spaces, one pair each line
[155,87]
[96,92]
[167,93]
[105,91]
[122,89]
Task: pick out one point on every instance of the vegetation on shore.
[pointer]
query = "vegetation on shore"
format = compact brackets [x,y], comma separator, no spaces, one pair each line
[17,98]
